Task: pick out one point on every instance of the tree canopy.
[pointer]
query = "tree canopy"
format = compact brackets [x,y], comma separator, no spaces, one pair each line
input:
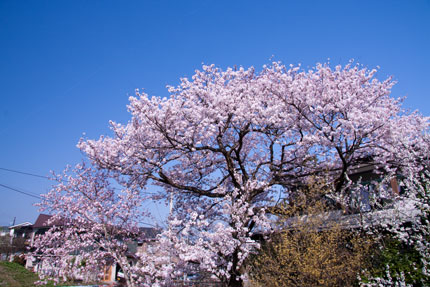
[228,145]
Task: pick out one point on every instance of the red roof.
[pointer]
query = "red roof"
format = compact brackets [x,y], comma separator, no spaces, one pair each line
[42,221]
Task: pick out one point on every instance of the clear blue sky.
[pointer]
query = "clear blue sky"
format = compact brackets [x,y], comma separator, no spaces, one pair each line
[68,67]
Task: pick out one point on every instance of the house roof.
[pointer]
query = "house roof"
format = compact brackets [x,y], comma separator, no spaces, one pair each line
[42,221]
[24,224]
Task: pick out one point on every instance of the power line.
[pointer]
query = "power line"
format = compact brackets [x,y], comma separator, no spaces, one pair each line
[46,177]
[20,191]
[25,173]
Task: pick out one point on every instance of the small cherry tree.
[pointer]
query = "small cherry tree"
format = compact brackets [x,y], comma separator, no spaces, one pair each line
[95,223]
[226,145]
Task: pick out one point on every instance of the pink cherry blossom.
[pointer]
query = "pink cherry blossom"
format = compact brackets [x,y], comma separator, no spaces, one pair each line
[228,145]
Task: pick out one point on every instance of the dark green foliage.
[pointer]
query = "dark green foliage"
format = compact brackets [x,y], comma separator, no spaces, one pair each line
[400,259]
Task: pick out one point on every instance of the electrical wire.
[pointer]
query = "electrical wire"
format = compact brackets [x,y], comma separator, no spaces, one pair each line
[20,191]
[25,173]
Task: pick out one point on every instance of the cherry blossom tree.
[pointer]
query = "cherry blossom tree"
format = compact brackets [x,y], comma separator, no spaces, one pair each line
[227,145]
[96,220]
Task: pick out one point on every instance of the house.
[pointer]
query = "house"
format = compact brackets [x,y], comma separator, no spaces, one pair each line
[40,226]
[389,208]
[14,240]
[4,242]
[20,230]
[113,273]
[43,224]
[4,230]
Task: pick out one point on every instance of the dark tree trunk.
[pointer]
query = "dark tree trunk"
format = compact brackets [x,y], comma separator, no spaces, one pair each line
[235,281]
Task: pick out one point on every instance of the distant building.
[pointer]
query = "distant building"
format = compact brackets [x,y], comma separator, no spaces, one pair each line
[113,273]
[4,230]
[14,240]
[41,226]
[20,230]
